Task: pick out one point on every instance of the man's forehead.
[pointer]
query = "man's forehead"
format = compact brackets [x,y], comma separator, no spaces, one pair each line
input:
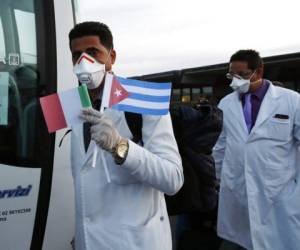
[238,65]
[85,42]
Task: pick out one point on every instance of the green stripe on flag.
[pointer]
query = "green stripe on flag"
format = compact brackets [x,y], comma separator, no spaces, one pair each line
[84,96]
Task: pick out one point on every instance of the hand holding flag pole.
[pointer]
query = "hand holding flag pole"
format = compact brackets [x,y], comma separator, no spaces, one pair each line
[104,104]
[113,93]
[138,97]
[95,153]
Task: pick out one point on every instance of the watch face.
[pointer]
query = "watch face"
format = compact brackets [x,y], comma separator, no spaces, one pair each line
[121,151]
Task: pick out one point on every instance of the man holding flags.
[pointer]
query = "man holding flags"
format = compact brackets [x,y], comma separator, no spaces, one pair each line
[128,210]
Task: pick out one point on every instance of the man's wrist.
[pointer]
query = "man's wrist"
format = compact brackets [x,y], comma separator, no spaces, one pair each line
[120,151]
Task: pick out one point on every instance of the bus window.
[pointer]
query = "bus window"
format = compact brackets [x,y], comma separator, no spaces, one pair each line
[176,95]
[208,93]
[2,44]
[186,95]
[207,90]
[27,35]
[196,93]
[19,74]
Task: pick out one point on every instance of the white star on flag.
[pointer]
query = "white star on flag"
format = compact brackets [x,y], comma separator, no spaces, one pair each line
[118,92]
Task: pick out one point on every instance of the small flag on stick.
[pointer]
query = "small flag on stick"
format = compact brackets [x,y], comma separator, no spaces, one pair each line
[62,109]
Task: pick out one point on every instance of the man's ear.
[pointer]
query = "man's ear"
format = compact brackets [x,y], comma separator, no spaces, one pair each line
[113,56]
[260,72]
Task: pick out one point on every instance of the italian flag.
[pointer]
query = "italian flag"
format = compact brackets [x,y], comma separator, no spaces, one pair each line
[62,110]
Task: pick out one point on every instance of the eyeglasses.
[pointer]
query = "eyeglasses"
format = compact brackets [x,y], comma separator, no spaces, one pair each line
[241,75]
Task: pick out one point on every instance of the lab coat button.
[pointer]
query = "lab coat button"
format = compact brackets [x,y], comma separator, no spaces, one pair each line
[161,218]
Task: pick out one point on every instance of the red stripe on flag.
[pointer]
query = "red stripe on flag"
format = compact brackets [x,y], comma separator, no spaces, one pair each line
[53,112]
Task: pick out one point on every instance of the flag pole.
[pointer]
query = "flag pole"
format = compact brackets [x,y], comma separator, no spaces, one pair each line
[95,153]
[107,87]
[94,156]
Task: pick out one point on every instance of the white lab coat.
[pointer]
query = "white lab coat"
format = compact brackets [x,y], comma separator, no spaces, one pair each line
[130,212]
[259,201]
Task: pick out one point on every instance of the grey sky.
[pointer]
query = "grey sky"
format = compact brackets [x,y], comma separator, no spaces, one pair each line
[156,36]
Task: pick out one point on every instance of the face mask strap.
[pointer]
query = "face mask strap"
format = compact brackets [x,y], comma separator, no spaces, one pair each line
[256,80]
[108,56]
[252,75]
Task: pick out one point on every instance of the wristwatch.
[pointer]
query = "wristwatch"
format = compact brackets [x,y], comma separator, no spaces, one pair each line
[121,151]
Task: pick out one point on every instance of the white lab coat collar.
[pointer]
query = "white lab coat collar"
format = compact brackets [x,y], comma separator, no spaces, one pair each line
[267,107]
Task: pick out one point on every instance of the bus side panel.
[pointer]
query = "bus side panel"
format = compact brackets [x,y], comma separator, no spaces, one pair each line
[60,222]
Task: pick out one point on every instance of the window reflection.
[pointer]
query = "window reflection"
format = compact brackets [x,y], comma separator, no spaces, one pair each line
[196,92]
[27,35]
[176,95]
[186,95]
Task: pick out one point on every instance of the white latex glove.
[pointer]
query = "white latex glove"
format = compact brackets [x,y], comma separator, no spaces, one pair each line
[102,129]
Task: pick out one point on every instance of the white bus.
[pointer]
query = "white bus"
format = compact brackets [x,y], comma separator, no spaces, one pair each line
[36,189]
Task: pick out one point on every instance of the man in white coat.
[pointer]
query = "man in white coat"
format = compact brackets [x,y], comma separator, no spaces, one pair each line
[256,160]
[130,212]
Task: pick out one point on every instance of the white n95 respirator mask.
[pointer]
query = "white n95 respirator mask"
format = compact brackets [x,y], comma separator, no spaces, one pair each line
[89,71]
[240,85]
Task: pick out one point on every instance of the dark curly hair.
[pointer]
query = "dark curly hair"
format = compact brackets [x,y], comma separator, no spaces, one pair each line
[93,29]
[250,56]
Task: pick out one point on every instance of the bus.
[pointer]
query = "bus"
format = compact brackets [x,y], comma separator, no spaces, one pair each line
[36,188]
[210,81]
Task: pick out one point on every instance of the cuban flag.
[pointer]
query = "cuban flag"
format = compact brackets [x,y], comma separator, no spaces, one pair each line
[148,98]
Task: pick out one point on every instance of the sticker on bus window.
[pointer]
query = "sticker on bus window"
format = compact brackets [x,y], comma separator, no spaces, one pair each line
[4,83]
[13,59]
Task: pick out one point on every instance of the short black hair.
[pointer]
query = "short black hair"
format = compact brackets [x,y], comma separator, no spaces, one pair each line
[250,56]
[93,29]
